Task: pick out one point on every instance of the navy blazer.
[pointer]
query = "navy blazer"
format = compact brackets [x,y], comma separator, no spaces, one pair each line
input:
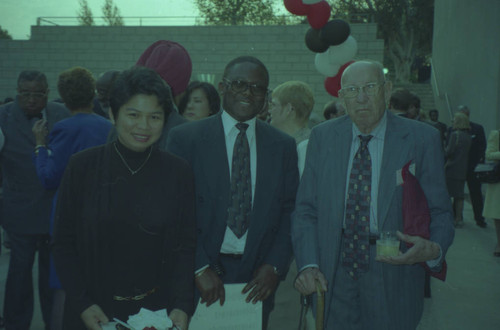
[26,203]
[202,144]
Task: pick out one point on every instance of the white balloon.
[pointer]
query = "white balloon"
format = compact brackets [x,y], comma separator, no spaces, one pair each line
[310,2]
[344,52]
[324,66]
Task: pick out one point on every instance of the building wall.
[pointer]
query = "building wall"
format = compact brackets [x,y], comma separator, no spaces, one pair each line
[53,49]
[466,59]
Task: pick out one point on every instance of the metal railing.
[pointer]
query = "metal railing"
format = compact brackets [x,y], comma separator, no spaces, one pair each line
[178,20]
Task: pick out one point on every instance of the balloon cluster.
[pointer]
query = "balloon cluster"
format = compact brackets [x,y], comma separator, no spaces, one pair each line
[331,40]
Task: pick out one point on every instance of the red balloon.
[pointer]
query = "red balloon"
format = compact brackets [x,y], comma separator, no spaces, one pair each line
[296,7]
[318,14]
[332,84]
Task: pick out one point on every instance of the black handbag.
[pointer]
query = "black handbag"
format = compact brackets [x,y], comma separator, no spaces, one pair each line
[488,172]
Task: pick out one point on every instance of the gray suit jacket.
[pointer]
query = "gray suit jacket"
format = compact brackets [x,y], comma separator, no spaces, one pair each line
[26,204]
[318,218]
[202,144]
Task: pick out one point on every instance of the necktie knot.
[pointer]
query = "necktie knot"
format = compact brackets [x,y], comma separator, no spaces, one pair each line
[364,140]
[242,127]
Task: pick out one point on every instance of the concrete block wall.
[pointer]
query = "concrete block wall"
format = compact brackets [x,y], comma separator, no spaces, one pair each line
[53,49]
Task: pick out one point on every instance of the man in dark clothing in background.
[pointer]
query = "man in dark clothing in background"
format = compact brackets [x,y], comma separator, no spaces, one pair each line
[476,156]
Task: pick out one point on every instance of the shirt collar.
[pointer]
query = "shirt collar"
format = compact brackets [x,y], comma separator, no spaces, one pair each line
[377,133]
[229,123]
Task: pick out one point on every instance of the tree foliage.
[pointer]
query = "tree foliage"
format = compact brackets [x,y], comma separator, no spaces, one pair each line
[111,14]
[85,16]
[239,12]
[405,25]
[4,34]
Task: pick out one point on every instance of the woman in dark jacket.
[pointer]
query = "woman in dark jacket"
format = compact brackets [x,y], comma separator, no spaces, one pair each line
[125,224]
[457,154]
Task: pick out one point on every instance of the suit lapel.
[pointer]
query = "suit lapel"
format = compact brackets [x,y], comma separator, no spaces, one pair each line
[338,152]
[215,165]
[264,183]
[24,125]
[395,153]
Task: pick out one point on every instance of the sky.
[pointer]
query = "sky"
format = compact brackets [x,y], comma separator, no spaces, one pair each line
[17,16]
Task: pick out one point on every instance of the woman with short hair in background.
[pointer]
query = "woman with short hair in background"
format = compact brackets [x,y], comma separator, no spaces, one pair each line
[200,100]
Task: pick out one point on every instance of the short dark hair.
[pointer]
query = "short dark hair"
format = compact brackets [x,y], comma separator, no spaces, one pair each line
[76,87]
[140,80]
[246,59]
[434,110]
[330,109]
[210,92]
[401,99]
[32,75]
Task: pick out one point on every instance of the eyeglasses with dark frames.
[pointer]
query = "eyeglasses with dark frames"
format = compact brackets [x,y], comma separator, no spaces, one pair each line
[34,95]
[240,86]
[369,89]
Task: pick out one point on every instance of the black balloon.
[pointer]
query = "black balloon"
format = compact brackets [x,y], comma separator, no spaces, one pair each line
[314,42]
[335,32]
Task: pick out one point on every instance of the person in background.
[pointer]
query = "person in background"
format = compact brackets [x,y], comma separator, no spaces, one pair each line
[442,127]
[476,156]
[26,203]
[103,87]
[400,102]
[491,202]
[413,111]
[457,154]
[348,195]
[200,100]
[84,129]
[333,109]
[290,108]
[124,235]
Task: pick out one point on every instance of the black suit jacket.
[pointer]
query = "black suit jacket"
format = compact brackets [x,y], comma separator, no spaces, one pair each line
[26,203]
[202,144]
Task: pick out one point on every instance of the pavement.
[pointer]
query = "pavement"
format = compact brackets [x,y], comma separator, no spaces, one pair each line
[469,299]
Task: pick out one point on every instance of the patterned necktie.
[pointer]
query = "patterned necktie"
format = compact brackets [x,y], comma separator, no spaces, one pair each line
[241,184]
[356,247]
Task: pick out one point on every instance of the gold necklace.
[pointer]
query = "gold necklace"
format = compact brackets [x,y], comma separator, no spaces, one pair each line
[128,167]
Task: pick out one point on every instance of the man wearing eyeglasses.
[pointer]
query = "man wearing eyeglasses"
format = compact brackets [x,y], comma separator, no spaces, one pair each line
[246,178]
[26,204]
[351,192]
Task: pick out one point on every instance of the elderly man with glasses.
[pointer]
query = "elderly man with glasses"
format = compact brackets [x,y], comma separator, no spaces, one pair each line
[26,204]
[246,178]
[351,193]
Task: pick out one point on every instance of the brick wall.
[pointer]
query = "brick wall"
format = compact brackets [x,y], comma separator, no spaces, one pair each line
[53,49]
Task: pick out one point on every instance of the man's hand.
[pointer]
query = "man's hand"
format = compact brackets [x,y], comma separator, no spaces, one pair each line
[211,287]
[305,281]
[179,318]
[93,316]
[40,131]
[421,251]
[262,285]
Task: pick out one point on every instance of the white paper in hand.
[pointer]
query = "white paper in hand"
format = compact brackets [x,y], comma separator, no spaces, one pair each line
[146,318]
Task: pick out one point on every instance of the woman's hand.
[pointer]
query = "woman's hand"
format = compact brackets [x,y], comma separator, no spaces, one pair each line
[179,318]
[93,316]
[40,130]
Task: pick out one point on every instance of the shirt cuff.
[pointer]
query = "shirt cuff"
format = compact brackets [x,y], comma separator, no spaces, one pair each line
[435,262]
[308,266]
[198,271]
